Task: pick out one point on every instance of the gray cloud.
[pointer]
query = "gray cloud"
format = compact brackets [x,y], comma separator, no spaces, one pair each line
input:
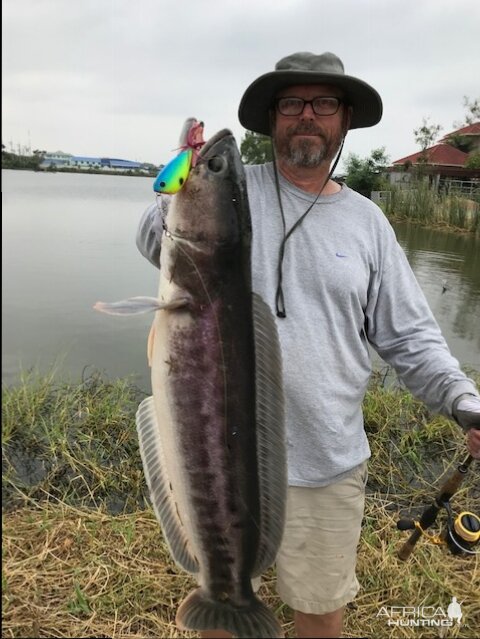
[118,78]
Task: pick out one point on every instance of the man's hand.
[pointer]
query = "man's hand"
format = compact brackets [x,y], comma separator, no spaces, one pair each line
[467,413]
[473,442]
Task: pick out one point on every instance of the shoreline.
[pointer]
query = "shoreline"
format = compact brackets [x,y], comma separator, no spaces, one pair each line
[128,173]
[83,555]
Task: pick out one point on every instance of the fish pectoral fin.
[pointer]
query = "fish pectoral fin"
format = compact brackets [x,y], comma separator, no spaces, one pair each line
[271,447]
[137,305]
[158,482]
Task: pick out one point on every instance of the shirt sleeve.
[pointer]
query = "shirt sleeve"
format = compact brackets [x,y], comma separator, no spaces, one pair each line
[149,233]
[401,327]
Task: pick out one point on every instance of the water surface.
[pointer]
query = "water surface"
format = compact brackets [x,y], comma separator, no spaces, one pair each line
[69,240]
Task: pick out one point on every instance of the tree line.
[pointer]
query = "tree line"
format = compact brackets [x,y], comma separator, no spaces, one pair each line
[19,161]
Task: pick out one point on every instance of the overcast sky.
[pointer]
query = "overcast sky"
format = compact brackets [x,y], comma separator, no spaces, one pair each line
[117,78]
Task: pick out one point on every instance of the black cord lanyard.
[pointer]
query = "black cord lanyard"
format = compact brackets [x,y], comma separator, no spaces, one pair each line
[279,296]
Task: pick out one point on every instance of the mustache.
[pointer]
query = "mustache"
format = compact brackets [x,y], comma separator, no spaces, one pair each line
[305,128]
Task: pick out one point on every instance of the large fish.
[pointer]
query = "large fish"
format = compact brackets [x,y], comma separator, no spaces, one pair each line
[212,436]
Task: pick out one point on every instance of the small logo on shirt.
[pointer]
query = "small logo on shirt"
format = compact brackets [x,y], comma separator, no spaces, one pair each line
[340,255]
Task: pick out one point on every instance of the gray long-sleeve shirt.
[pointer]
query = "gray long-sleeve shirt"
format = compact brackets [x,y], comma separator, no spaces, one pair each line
[346,283]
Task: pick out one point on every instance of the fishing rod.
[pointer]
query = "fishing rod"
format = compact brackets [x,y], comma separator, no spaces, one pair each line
[461,534]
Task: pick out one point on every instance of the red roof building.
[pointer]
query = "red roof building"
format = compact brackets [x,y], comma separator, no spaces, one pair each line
[438,155]
[470,129]
[467,138]
[441,160]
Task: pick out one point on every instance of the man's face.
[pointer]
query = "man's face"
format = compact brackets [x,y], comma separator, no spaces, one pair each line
[308,139]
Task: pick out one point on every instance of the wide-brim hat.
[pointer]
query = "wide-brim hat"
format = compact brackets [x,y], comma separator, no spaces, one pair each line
[308,68]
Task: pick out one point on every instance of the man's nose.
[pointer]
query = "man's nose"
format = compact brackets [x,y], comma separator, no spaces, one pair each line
[308,111]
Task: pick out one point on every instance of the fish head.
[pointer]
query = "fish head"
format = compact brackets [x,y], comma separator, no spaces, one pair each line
[212,206]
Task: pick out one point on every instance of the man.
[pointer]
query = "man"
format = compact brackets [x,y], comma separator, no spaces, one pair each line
[327,262]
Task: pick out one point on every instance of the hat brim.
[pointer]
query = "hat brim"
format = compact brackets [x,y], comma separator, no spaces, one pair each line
[257,100]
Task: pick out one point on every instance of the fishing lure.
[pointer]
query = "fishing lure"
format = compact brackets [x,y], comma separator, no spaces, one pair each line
[173,175]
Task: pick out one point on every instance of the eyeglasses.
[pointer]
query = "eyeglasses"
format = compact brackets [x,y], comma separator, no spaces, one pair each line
[322,105]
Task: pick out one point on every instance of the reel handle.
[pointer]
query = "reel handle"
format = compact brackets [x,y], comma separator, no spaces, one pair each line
[405,524]
[408,547]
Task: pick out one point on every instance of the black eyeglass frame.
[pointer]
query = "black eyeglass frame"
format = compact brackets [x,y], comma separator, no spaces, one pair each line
[340,101]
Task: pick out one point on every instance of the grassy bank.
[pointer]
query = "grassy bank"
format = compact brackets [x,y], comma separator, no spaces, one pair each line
[83,554]
[430,208]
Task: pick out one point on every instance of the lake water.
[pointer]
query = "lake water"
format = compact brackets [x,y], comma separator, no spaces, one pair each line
[69,240]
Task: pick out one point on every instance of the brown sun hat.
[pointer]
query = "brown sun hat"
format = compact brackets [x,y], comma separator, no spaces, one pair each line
[308,68]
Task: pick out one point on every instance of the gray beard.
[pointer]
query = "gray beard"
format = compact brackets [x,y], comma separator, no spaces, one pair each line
[303,155]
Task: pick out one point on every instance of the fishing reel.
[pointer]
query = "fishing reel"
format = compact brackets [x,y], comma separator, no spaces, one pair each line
[464,534]
[461,534]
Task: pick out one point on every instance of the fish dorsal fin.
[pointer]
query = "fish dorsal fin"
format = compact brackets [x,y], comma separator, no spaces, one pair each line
[270,423]
[154,466]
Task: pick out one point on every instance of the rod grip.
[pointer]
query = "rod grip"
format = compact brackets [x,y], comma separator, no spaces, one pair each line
[407,548]
[452,484]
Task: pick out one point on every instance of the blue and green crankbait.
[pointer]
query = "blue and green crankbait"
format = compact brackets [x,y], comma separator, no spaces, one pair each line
[173,175]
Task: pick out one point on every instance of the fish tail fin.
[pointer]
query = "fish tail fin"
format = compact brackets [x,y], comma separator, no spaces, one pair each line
[200,612]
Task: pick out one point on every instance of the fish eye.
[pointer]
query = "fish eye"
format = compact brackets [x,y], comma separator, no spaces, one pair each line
[216,164]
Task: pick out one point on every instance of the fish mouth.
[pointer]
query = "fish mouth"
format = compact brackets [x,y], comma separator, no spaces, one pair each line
[224,133]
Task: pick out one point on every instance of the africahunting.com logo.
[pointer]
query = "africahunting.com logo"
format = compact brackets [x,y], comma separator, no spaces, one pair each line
[422,616]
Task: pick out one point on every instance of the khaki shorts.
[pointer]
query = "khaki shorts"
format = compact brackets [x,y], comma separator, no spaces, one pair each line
[316,561]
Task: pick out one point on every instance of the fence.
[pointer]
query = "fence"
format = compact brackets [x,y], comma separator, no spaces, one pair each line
[467,188]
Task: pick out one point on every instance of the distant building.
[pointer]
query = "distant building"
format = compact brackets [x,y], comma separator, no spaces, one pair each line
[65,160]
[441,163]
[441,159]
[56,159]
[120,165]
[469,134]
[81,162]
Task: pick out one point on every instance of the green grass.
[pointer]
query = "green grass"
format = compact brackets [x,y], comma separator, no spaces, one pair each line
[73,442]
[83,554]
[426,206]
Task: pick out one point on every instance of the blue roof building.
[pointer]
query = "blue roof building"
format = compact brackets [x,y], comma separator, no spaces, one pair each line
[59,160]
[115,163]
